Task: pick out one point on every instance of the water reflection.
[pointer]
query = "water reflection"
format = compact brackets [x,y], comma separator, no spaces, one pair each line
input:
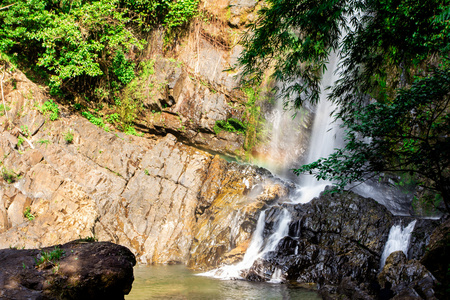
[178,282]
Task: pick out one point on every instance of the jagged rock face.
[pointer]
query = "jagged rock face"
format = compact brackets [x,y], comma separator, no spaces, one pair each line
[231,200]
[421,236]
[77,270]
[406,279]
[176,108]
[331,238]
[437,257]
[153,196]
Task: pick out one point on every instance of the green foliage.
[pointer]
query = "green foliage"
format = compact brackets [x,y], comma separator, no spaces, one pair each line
[127,109]
[28,215]
[231,125]
[68,136]
[385,41]
[130,130]
[275,41]
[253,117]
[42,141]
[67,41]
[80,45]
[88,239]
[9,175]
[4,108]
[20,141]
[123,68]
[49,258]
[94,120]
[113,118]
[50,108]
[179,12]
[25,130]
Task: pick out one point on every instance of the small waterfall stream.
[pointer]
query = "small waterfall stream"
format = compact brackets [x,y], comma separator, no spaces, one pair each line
[398,240]
[258,247]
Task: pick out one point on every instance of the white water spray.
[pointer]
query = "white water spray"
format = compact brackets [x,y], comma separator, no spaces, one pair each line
[398,240]
[257,248]
[325,136]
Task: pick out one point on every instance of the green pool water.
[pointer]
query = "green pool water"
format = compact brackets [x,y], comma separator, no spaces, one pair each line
[178,282]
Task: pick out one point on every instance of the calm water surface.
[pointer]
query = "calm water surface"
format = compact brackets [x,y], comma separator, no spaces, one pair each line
[178,282]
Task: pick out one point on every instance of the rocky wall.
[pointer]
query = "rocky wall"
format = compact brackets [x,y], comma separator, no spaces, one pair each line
[152,195]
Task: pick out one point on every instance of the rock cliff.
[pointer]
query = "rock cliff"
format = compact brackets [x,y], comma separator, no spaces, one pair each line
[154,196]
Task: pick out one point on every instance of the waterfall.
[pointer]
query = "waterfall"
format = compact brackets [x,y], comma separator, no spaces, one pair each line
[398,240]
[257,248]
[323,142]
[325,135]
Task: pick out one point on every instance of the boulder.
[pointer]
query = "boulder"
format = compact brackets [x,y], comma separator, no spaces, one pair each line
[76,270]
[332,237]
[406,279]
[437,257]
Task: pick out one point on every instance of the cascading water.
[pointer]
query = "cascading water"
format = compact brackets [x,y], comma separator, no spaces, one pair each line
[325,136]
[258,247]
[398,240]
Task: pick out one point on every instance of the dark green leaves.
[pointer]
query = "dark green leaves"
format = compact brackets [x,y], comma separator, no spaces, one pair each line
[294,38]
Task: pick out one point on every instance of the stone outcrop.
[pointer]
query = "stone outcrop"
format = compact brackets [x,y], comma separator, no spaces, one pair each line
[437,257]
[405,279]
[330,238]
[76,270]
[175,107]
[228,212]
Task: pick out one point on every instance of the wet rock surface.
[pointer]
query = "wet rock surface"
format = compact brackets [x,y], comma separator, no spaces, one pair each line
[330,238]
[335,241]
[81,270]
[405,279]
[437,258]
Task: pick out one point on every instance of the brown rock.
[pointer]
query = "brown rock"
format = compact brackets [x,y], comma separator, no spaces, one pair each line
[81,270]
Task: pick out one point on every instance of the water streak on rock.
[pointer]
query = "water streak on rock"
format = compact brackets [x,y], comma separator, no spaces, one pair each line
[398,240]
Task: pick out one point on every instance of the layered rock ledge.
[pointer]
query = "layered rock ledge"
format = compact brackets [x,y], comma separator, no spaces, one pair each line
[75,270]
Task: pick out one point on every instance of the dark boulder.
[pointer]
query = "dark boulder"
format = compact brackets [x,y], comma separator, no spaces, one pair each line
[76,270]
[407,279]
[437,258]
[335,240]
